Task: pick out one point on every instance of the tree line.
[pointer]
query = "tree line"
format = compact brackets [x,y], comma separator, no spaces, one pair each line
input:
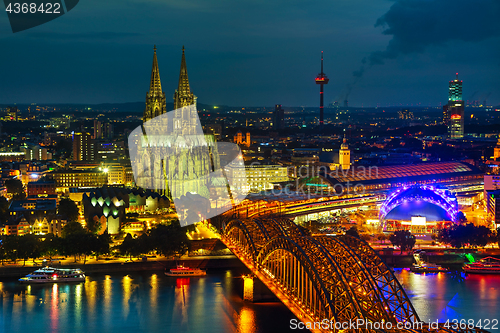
[457,236]
[468,235]
[76,241]
[165,240]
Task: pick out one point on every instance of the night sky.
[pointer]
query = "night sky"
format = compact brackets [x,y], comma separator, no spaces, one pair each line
[258,52]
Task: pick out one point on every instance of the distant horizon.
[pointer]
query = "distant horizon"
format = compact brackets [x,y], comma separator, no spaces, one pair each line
[2,104]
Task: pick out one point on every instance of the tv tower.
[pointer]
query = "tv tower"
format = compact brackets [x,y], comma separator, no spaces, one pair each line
[321,79]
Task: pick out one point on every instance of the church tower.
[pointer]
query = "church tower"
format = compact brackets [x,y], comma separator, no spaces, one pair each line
[345,156]
[186,120]
[155,98]
[183,95]
[496,150]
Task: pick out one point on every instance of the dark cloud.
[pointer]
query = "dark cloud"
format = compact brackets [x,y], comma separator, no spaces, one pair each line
[417,24]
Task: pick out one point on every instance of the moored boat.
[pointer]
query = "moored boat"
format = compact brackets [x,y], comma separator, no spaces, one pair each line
[423,267]
[428,268]
[487,265]
[51,275]
[182,271]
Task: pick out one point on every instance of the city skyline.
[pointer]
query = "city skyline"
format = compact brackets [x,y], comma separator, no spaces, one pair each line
[136,197]
[258,60]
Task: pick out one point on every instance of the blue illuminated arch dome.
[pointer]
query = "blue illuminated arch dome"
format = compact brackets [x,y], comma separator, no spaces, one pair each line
[421,193]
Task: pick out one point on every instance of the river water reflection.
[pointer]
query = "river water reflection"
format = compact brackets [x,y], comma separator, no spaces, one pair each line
[138,302]
[152,302]
[454,295]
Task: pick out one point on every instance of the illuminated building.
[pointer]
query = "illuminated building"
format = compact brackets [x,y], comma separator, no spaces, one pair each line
[106,152]
[496,150]
[12,156]
[491,182]
[188,164]
[119,175]
[361,178]
[155,98]
[36,188]
[345,156]
[82,147]
[278,117]
[12,113]
[321,79]
[60,122]
[456,110]
[446,115]
[32,209]
[32,171]
[24,228]
[102,130]
[183,95]
[492,197]
[421,199]
[258,176]
[97,129]
[108,206]
[238,139]
[108,131]
[66,179]
[51,139]
[405,114]
[455,91]
[43,226]
[493,206]
[35,152]
[9,229]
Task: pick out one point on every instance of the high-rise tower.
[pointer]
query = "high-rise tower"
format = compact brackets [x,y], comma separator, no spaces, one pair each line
[82,147]
[155,98]
[183,95]
[455,110]
[321,79]
[278,117]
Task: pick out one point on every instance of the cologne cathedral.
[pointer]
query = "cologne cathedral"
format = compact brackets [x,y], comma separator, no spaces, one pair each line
[171,155]
[177,158]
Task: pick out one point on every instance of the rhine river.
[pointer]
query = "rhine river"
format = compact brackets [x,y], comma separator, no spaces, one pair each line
[153,302]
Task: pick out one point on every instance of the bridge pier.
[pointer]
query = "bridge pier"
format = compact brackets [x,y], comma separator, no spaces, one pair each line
[255,291]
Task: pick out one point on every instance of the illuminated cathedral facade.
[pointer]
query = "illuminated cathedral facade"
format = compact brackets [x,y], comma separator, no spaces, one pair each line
[175,155]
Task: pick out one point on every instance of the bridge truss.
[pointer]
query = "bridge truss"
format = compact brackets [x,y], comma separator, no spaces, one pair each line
[325,279]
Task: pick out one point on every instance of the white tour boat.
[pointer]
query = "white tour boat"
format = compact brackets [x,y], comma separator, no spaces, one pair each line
[50,275]
[182,271]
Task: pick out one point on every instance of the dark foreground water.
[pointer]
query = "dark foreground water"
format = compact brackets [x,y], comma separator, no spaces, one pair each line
[152,302]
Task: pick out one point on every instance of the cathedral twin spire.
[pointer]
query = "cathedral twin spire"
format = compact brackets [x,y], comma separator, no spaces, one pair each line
[155,98]
[183,95]
[155,86]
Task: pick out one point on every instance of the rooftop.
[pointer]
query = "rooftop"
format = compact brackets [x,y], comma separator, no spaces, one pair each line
[401,172]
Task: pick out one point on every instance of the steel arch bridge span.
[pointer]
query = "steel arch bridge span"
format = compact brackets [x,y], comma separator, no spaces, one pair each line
[340,279]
